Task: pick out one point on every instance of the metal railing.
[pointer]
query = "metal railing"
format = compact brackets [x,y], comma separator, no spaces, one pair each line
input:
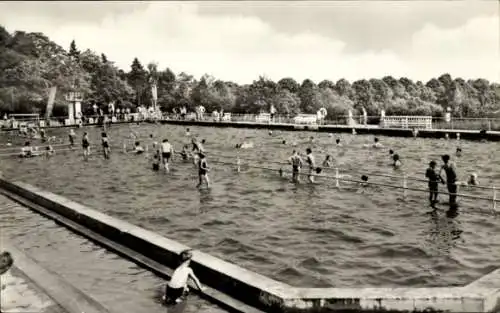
[490,124]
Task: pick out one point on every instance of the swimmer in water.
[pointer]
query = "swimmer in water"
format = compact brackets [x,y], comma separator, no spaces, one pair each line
[471,181]
[283,142]
[203,170]
[363,183]
[42,135]
[396,161]
[105,145]
[312,164]
[166,153]
[49,151]
[27,150]
[156,161]
[86,146]
[414,132]
[458,152]
[296,162]
[72,137]
[185,153]
[434,180]
[138,149]
[327,162]
[337,141]
[311,139]
[197,149]
[177,287]
[376,143]
[246,145]
[270,133]
[188,132]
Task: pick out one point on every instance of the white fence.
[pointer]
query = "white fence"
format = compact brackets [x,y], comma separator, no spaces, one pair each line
[306,119]
[418,122]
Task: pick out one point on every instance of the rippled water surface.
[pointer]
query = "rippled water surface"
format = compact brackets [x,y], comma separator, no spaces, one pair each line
[119,285]
[309,235]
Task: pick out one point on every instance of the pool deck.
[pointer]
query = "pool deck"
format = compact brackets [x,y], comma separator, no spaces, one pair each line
[360,129]
[34,289]
[245,289]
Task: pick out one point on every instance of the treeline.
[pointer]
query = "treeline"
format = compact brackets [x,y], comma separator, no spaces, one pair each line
[30,63]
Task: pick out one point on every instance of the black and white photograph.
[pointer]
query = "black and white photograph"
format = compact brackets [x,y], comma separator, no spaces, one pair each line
[250,156]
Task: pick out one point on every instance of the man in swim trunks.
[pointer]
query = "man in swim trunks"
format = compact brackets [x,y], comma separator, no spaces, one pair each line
[296,162]
[177,287]
[312,164]
[86,146]
[166,153]
[203,170]
[72,136]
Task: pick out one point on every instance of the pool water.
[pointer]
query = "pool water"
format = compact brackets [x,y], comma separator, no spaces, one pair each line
[305,234]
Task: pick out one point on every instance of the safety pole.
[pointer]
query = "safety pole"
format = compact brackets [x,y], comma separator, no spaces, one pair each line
[337,184]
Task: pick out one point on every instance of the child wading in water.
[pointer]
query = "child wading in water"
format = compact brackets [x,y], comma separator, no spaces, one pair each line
[105,145]
[177,287]
[434,180]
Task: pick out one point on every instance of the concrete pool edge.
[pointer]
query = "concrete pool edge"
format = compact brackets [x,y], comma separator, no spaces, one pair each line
[68,298]
[260,291]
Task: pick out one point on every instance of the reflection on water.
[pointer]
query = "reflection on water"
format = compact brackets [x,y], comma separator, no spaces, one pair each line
[267,224]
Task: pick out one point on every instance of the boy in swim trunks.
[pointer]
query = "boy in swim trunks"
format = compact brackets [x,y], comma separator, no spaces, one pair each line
[296,162]
[166,153]
[310,161]
[434,179]
[177,287]
[86,146]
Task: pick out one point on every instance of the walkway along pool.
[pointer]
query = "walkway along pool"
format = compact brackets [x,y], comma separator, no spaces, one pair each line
[265,293]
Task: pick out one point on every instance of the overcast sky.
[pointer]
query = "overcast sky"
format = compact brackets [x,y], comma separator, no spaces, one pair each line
[239,41]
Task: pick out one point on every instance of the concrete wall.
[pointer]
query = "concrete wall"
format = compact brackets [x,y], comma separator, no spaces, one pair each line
[67,298]
[257,290]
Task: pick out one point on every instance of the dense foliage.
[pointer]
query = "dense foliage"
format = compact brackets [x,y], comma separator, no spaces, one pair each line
[30,63]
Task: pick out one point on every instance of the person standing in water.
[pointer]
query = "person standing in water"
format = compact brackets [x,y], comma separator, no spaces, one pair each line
[177,287]
[86,146]
[105,145]
[310,161]
[451,179]
[72,136]
[166,153]
[203,170]
[296,162]
[434,180]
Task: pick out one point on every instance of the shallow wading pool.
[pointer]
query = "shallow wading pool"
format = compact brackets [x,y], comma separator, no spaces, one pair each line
[306,235]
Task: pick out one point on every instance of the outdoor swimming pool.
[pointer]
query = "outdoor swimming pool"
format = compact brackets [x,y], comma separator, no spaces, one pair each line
[307,235]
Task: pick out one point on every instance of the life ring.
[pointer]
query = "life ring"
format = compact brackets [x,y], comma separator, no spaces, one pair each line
[322,112]
[202,109]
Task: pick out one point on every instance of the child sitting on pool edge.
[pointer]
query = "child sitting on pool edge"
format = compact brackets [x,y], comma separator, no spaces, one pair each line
[177,287]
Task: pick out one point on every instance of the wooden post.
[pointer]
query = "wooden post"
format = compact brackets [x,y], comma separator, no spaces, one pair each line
[494,198]
[337,183]
[238,162]
[124,146]
[405,186]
